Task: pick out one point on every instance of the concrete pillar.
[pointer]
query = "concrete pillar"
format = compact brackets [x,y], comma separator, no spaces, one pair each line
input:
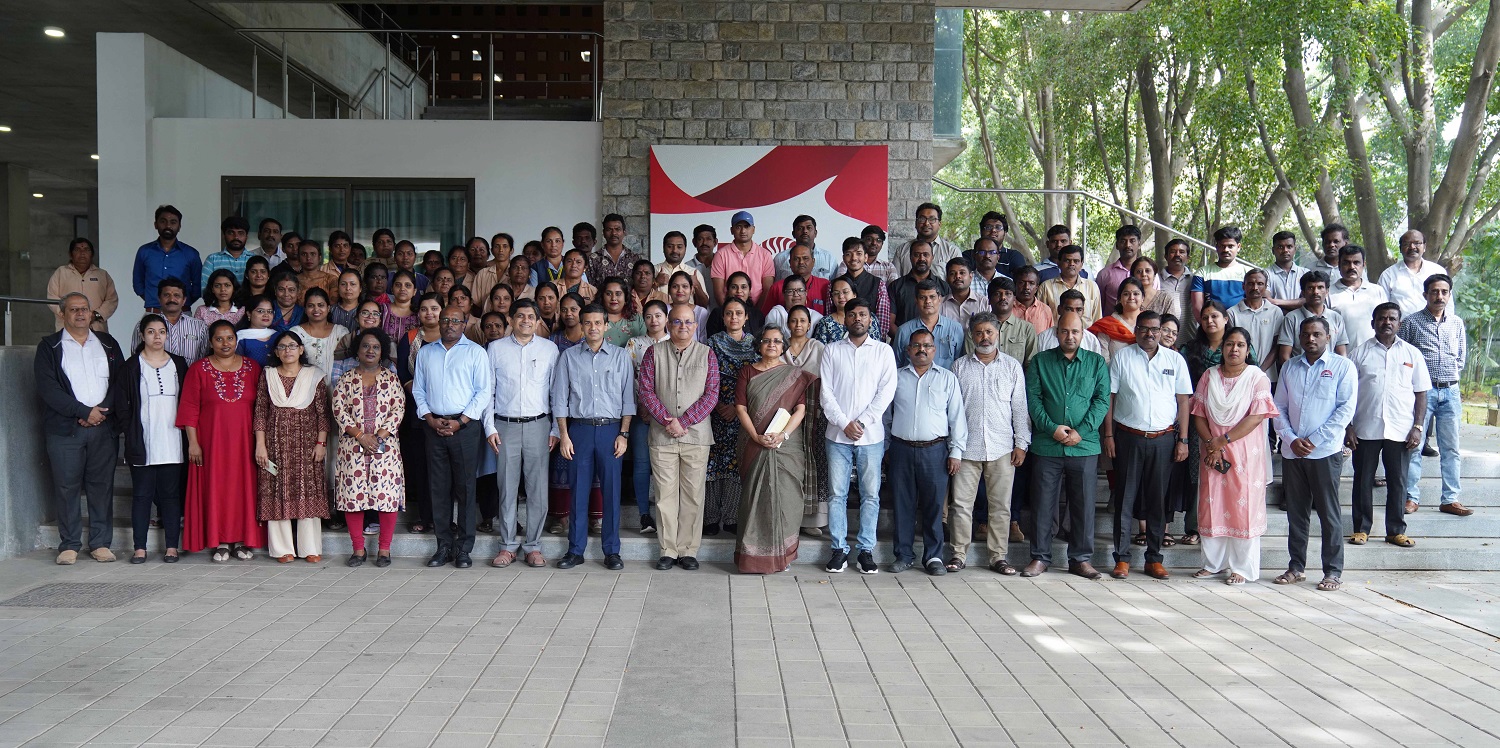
[15,229]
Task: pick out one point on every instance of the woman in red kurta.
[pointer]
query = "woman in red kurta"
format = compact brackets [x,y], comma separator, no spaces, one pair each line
[216,410]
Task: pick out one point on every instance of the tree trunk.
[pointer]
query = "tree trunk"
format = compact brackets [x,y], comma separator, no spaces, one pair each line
[1162,178]
[1366,202]
[1455,189]
[1418,78]
[1294,82]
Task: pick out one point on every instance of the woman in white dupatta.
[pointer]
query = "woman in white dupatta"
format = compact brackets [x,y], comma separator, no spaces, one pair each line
[1230,406]
[291,446]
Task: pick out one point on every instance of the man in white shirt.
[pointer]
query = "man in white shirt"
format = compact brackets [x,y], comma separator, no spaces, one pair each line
[1403,281]
[453,386]
[1355,297]
[1387,425]
[674,254]
[805,231]
[1072,301]
[269,235]
[1145,432]
[1261,318]
[999,427]
[519,429]
[76,372]
[859,383]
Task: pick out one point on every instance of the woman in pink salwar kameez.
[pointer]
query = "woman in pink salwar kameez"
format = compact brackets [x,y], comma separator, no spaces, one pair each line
[1230,406]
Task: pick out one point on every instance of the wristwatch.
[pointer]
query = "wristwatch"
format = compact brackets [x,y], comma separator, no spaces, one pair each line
[1181,439]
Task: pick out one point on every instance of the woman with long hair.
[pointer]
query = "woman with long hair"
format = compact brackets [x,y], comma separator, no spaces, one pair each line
[1145,270]
[218,299]
[680,291]
[413,432]
[400,314]
[734,348]
[257,281]
[217,410]
[654,317]
[1230,406]
[806,353]
[155,447]
[291,445]
[831,328]
[369,405]
[773,457]
[320,336]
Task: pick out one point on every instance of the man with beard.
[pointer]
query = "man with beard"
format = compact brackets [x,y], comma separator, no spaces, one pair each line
[805,232]
[612,260]
[903,292]
[233,256]
[166,258]
[1128,246]
[705,244]
[674,252]
[961,305]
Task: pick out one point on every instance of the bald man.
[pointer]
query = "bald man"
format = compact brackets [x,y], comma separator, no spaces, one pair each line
[1067,394]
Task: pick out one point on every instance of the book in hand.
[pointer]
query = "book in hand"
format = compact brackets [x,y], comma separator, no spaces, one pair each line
[779,422]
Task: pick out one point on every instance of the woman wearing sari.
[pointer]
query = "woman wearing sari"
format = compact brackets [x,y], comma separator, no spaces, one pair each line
[734,348]
[773,464]
[807,354]
[1230,406]
[1117,331]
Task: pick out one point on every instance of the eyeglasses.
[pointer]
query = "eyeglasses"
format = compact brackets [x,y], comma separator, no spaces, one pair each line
[681,323]
[368,313]
[928,219]
[453,321]
[922,346]
[285,347]
[986,252]
[773,341]
[1143,330]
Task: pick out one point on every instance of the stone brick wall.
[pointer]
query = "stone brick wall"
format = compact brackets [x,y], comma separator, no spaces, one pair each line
[716,72]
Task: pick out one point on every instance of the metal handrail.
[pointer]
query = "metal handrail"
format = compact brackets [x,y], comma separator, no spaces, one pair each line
[1077,193]
[8,300]
[594,57]
[288,66]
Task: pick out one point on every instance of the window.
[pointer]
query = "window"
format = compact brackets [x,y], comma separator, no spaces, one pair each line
[431,213]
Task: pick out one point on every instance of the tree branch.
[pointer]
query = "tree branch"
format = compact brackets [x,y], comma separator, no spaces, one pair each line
[1441,27]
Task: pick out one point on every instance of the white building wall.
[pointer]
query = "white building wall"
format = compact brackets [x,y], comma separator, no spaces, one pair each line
[160,145]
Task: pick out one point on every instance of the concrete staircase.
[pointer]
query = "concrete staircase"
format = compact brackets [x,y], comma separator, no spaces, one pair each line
[1444,542]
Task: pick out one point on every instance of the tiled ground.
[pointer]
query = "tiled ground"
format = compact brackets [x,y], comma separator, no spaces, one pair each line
[260,654]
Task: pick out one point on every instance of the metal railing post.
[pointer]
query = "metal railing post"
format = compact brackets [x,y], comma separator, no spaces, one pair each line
[286,80]
[1083,223]
[411,99]
[314,101]
[490,82]
[385,84]
[254,78]
[7,323]
[594,58]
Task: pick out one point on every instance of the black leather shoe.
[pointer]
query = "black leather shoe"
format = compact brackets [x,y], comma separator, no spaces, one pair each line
[170,558]
[137,559]
[441,558]
[461,560]
[688,562]
[569,561]
[613,562]
[355,560]
[665,562]
[382,561]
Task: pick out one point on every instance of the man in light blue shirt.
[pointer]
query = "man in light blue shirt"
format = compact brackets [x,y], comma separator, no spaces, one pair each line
[1315,403]
[232,257]
[593,400]
[947,334]
[453,386]
[927,424]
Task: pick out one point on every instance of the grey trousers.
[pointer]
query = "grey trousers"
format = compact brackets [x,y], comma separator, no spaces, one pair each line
[1313,485]
[523,454]
[84,463]
[1051,478]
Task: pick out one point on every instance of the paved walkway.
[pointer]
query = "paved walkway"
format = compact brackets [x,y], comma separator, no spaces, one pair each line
[259,654]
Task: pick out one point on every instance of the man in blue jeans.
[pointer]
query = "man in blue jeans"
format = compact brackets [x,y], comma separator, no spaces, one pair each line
[859,383]
[928,434]
[1439,334]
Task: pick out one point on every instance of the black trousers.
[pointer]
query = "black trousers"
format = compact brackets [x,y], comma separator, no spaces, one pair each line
[451,464]
[1050,478]
[1142,469]
[1313,485]
[1369,454]
[414,460]
[160,485]
[919,480]
[84,462]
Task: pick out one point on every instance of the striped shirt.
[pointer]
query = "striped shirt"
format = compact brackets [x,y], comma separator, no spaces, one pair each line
[187,338]
[222,260]
[1442,343]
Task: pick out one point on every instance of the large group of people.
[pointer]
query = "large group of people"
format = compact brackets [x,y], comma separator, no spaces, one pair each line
[749,393]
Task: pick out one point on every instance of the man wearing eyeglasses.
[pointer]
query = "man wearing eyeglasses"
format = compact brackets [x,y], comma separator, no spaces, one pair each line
[929,219]
[453,387]
[678,388]
[1144,432]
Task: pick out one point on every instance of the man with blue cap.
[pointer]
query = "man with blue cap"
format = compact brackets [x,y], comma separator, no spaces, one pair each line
[744,255]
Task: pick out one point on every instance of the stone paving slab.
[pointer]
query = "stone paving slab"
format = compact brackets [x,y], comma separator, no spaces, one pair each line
[260,654]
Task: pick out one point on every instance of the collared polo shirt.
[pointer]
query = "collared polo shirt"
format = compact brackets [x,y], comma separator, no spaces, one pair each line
[1389,380]
[1146,387]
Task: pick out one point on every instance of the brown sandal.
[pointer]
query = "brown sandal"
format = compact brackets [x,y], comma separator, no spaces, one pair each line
[1291,577]
[1204,574]
[955,564]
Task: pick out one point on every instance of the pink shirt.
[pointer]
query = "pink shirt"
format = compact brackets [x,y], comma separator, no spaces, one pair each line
[758,264]
[1109,284]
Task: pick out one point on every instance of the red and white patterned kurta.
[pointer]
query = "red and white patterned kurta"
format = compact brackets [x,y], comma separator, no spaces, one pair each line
[363,480]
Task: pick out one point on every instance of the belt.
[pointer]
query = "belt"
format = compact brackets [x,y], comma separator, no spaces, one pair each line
[594,421]
[453,417]
[921,444]
[1145,434]
[1443,385]
[526,419]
